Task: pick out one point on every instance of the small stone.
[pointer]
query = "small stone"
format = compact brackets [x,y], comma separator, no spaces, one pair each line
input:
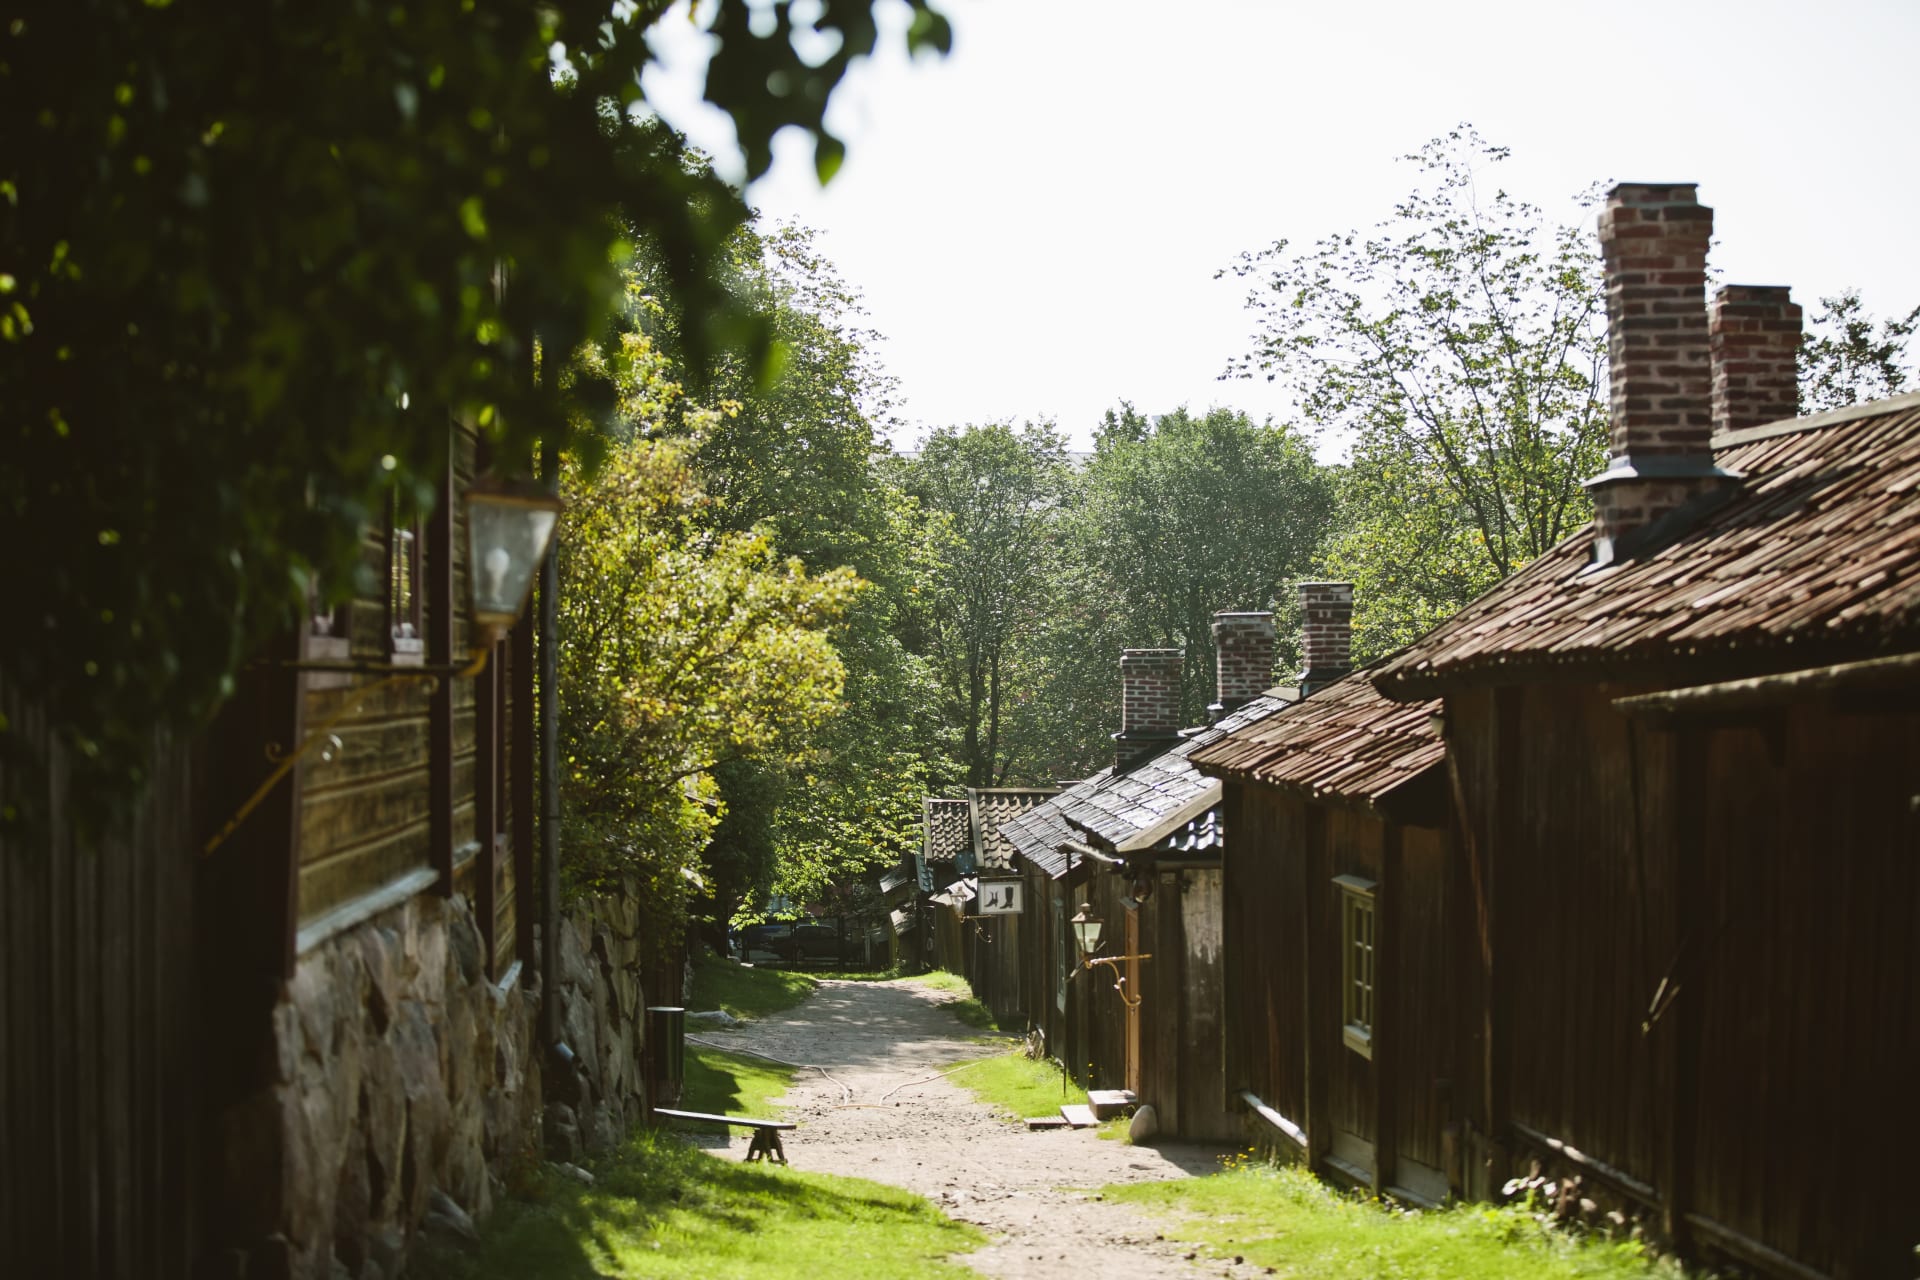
[448,1219]
[1145,1124]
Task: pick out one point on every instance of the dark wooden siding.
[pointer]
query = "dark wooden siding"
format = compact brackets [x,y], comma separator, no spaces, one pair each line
[1804,997]
[1583,877]
[98,1016]
[1183,1072]
[1264,923]
[1420,1006]
[1352,847]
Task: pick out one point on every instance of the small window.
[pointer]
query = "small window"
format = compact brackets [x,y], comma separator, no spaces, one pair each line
[403,589]
[1356,963]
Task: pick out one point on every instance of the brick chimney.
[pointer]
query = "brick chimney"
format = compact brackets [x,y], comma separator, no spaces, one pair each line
[1754,331]
[1326,611]
[1653,240]
[1243,653]
[1149,704]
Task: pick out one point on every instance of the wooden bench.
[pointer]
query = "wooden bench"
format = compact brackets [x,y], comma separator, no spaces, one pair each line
[766,1133]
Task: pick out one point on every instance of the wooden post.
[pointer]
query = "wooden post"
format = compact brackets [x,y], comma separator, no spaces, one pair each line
[486,801]
[1388,1005]
[1501,844]
[1133,1009]
[520,671]
[1166,1006]
[438,570]
[548,715]
[1316,1020]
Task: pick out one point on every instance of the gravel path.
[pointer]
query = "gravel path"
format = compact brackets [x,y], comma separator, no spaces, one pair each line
[877,1039]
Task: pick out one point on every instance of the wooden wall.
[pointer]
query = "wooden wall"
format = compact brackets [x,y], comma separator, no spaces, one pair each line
[1799,1015]
[1265,940]
[1182,1071]
[99,1056]
[1377,1119]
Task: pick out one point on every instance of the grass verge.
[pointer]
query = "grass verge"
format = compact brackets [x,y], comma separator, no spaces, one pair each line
[662,1210]
[1292,1223]
[744,991]
[1018,1086]
[966,1008]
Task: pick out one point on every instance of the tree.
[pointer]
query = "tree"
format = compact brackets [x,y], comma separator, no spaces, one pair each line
[1849,358]
[682,652]
[1175,518]
[1461,347]
[801,454]
[999,491]
[251,264]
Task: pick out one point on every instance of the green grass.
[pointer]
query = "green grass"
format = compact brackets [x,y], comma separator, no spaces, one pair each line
[941,980]
[744,991]
[1018,1086]
[661,1210]
[966,1008]
[859,975]
[1287,1220]
[732,1083]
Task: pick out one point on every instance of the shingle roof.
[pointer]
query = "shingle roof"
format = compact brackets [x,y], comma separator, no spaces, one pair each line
[990,809]
[948,834]
[1133,809]
[1040,835]
[1202,836]
[1819,549]
[1347,740]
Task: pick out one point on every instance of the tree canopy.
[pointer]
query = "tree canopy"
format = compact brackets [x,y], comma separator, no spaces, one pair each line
[1460,347]
[250,262]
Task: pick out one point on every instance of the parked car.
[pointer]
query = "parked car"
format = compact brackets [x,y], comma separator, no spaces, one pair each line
[813,942]
[764,942]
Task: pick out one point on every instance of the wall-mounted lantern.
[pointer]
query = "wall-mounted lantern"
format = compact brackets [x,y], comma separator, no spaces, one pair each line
[509,528]
[1087,928]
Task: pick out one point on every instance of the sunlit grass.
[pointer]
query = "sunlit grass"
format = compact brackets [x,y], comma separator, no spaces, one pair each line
[1289,1221]
[745,991]
[733,1083]
[663,1211]
[1018,1086]
[966,1008]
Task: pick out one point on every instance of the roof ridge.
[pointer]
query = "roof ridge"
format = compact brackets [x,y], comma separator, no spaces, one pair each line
[1815,421]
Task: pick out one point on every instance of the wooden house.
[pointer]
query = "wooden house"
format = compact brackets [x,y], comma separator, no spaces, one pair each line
[1045,854]
[304,1009]
[1340,943]
[1139,844]
[1684,750]
[997,919]
[946,848]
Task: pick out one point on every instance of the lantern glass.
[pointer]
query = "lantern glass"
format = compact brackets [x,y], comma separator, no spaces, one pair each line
[508,531]
[1086,929]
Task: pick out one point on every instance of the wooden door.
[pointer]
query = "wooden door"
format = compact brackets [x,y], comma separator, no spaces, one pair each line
[1133,994]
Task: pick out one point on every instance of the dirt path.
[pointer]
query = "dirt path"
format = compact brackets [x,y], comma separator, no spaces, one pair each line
[932,1138]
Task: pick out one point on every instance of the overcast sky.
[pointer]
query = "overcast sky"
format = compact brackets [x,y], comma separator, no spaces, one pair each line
[1037,220]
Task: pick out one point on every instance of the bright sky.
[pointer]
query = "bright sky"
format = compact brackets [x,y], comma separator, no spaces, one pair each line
[1036,221]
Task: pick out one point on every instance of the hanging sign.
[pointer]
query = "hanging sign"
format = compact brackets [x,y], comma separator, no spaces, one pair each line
[1002,897]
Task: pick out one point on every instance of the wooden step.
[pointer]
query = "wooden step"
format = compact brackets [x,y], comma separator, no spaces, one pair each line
[1107,1103]
[1079,1115]
[1046,1122]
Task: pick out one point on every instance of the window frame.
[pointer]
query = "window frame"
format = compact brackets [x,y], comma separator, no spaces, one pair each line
[406,630]
[1359,962]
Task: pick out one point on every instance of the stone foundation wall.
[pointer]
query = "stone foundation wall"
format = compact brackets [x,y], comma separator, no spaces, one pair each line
[406,1084]
[602,1022]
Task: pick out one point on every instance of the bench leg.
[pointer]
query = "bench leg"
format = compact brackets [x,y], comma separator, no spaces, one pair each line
[766,1146]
